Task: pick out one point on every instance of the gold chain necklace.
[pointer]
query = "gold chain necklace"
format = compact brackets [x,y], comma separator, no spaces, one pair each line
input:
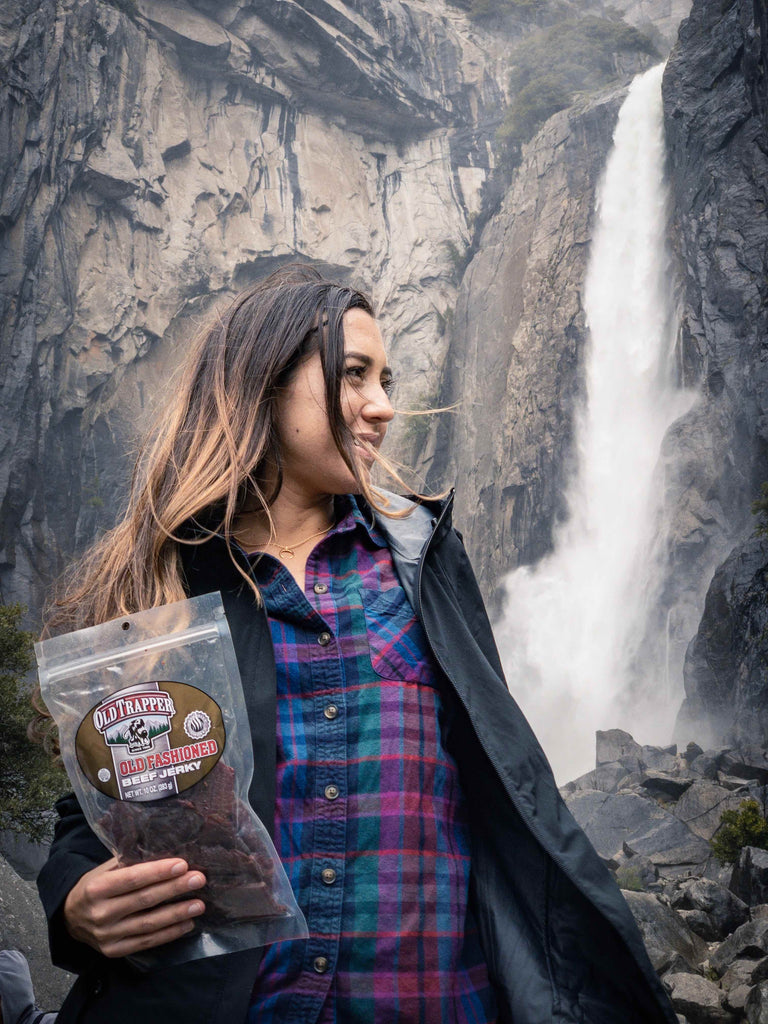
[289,551]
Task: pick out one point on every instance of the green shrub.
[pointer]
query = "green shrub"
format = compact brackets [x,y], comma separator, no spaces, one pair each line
[629,878]
[745,827]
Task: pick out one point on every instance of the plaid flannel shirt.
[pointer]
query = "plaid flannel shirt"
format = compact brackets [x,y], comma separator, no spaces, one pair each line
[370,822]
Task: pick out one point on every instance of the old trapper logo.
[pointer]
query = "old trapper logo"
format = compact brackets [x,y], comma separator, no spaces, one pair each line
[134,720]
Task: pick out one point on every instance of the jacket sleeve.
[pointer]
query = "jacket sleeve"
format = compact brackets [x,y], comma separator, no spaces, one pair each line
[74,851]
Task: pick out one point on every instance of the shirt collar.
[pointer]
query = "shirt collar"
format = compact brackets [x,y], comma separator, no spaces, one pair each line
[350,515]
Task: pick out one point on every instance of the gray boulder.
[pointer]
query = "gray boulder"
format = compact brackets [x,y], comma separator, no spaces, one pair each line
[701,923]
[748,763]
[660,758]
[667,938]
[723,911]
[756,1006]
[662,786]
[614,745]
[616,821]
[736,998]
[699,999]
[605,778]
[747,973]
[749,880]
[750,941]
[701,807]
[706,764]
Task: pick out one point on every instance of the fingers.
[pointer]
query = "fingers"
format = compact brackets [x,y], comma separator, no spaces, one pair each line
[109,880]
[145,931]
[123,910]
[142,899]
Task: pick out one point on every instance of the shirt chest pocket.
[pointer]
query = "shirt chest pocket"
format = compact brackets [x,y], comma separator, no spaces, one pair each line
[397,643]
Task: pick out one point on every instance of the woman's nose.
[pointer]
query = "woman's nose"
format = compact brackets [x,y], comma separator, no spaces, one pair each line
[378,406]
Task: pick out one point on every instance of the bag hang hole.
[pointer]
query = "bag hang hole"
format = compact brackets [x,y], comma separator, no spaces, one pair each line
[126,625]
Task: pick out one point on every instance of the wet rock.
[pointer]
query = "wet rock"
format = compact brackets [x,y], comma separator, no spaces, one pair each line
[700,1000]
[665,934]
[749,880]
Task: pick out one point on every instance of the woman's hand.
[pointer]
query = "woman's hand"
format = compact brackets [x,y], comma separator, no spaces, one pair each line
[120,911]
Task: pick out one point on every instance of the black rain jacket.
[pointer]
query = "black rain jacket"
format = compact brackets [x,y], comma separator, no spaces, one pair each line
[560,942]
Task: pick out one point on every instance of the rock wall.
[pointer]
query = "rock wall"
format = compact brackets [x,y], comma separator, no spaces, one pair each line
[514,364]
[716,111]
[159,158]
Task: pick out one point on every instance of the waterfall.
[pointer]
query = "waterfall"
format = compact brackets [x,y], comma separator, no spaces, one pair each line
[573,625]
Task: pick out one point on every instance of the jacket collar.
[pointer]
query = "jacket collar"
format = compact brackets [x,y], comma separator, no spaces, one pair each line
[408,537]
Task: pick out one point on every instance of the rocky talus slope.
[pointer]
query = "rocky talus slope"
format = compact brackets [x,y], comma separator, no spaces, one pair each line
[650,812]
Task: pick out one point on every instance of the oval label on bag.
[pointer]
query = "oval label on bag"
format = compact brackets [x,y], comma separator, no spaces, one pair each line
[150,741]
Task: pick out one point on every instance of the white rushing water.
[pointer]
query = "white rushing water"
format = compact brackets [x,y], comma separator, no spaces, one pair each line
[573,624]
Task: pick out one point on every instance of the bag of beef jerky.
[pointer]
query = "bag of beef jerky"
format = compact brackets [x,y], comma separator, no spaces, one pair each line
[155,739]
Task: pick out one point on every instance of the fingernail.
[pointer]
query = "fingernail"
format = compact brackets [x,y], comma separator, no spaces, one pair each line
[195,882]
[195,908]
[178,869]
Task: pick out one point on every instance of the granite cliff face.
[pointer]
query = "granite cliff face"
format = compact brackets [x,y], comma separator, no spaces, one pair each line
[716,108]
[517,340]
[160,157]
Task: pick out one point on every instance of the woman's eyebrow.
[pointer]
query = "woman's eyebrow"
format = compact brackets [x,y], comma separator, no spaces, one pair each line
[367,361]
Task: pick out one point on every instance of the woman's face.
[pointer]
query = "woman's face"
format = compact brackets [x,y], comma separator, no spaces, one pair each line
[312,464]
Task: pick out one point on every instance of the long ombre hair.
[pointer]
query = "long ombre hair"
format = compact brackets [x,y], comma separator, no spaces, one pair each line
[216,445]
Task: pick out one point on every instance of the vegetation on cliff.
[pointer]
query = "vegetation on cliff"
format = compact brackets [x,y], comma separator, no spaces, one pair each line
[577,55]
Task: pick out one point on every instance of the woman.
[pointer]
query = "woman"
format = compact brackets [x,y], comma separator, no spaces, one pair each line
[442,878]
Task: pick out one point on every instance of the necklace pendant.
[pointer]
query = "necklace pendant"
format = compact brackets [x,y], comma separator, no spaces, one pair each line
[286,553]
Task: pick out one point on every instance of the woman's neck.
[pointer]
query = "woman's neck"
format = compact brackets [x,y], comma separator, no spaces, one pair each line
[293,516]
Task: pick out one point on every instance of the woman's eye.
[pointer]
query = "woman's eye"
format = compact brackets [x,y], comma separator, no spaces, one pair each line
[356,373]
[388,384]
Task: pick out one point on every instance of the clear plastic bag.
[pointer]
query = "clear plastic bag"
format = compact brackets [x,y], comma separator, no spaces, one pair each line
[155,739]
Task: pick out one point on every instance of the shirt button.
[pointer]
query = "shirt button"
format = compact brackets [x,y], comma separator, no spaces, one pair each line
[331,712]
[331,792]
[320,588]
[320,964]
[324,639]
[328,875]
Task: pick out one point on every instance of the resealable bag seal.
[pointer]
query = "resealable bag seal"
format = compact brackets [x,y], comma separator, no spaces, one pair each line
[155,739]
